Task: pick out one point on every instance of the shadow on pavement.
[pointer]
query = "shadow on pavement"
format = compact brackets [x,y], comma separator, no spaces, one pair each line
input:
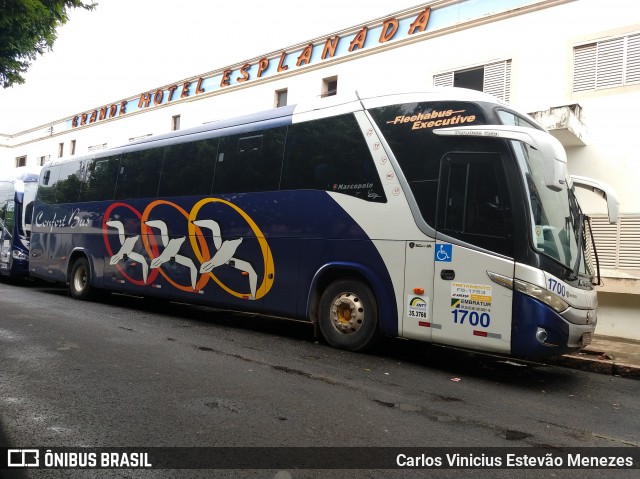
[7,473]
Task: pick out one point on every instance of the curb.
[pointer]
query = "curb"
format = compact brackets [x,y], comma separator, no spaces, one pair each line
[597,362]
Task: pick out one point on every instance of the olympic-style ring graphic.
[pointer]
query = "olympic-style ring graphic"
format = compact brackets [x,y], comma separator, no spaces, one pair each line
[107,214]
[269,268]
[224,250]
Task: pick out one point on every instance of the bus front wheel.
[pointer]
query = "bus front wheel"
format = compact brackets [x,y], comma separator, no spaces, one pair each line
[349,315]
[80,281]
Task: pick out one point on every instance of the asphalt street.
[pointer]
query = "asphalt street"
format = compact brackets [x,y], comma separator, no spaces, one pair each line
[127,372]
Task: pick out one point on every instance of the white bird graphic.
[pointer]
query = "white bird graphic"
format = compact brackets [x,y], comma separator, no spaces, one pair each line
[126,249]
[224,255]
[171,248]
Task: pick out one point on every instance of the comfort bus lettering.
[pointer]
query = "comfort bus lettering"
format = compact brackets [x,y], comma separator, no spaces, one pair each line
[73,220]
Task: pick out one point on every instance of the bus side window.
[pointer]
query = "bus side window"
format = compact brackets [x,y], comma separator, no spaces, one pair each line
[187,168]
[139,174]
[474,203]
[331,155]
[511,118]
[67,188]
[100,179]
[250,161]
[46,190]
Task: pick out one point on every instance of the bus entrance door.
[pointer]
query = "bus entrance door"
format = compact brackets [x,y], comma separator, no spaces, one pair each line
[474,207]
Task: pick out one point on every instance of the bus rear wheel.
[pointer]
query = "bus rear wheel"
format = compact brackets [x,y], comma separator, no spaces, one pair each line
[80,281]
[349,315]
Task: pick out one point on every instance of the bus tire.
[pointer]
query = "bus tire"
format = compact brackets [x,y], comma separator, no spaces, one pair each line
[80,280]
[349,315]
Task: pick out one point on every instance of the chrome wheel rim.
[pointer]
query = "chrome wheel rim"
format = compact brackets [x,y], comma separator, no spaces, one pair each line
[80,279]
[347,313]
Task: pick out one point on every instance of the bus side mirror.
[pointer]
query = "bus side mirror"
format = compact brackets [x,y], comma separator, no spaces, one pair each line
[601,189]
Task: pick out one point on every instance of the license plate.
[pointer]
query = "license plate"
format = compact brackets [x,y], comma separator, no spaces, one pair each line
[585,340]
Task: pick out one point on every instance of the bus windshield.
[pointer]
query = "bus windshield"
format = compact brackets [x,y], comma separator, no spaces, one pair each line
[555,218]
[27,208]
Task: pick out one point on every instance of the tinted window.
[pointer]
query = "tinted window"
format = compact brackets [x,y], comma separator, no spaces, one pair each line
[139,174]
[6,199]
[510,118]
[408,129]
[250,161]
[46,190]
[100,179]
[67,187]
[8,216]
[474,203]
[188,168]
[331,154]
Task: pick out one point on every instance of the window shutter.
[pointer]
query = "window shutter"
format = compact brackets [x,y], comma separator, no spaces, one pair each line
[633,59]
[618,245]
[610,63]
[584,68]
[629,255]
[443,79]
[497,79]
[605,236]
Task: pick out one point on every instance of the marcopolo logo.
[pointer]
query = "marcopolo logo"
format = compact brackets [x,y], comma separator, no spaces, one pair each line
[23,458]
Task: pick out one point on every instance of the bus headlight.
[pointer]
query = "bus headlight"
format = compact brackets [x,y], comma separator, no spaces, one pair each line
[19,255]
[541,294]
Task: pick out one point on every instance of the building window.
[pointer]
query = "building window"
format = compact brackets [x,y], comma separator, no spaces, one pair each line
[607,64]
[281,98]
[43,159]
[329,86]
[493,78]
[73,147]
[175,122]
[60,150]
[21,161]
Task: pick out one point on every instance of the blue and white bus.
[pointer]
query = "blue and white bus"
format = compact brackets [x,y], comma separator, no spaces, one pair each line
[443,216]
[17,195]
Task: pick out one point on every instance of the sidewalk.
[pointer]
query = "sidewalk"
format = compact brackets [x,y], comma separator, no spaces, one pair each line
[605,355]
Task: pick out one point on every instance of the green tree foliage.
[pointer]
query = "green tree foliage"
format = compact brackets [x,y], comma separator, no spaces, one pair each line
[28,28]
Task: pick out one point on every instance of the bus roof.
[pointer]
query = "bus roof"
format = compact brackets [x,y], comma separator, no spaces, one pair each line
[314,109]
[23,173]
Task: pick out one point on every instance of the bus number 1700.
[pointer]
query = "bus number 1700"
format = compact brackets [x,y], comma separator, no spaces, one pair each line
[473,318]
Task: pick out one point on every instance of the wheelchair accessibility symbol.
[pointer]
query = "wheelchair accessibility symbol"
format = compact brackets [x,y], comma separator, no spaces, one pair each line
[444,252]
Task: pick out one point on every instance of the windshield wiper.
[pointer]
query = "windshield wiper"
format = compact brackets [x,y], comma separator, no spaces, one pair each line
[578,219]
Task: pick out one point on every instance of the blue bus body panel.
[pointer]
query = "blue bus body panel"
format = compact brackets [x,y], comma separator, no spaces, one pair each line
[282,239]
[528,315]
